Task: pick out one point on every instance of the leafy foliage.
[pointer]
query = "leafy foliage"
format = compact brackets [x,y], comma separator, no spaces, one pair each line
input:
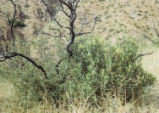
[99,68]
[95,70]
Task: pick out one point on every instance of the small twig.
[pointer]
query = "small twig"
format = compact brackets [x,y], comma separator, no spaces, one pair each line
[156,32]
[83,24]
[147,37]
[58,30]
[60,25]
[59,62]
[62,8]
[93,26]
[141,55]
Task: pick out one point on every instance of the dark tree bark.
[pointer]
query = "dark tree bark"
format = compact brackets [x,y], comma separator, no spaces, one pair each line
[69,8]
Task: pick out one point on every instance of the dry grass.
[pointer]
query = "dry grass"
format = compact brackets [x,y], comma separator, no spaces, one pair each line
[107,106]
[10,103]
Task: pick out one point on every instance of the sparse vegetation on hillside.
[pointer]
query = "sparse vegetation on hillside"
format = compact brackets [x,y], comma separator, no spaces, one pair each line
[58,67]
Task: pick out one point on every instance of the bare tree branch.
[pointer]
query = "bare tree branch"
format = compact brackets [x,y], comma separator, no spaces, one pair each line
[73,15]
[14,54]
[141,55]
[60,35]
[85,22]
[156,30]
[62,8]
[12,23]
[147,37]
[58,30]
[93,26]
[59,62]
[67,4]
[71,6]
[60,25]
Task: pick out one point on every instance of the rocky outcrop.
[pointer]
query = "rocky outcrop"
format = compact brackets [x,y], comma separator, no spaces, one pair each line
[32,12]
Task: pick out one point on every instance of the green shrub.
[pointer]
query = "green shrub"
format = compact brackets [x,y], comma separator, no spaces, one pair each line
[98,68]
[27,79]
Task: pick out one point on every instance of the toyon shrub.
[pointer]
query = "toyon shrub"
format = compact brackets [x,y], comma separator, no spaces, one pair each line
[98,68]
[95,70]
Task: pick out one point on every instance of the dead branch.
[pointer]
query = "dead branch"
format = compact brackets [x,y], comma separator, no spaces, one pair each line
[69,8]
[143,54]
[58,30]
[156,30]
[147,37]
[71,5]
[15,54]
[62,9]
[85,23]
[59,62]
[12,23]
[60,25]
[73,15]
[60,35]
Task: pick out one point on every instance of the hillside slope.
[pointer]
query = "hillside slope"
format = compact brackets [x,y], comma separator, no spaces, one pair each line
[118,19]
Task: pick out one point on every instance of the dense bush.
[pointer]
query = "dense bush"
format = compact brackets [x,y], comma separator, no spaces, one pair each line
[98,68]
